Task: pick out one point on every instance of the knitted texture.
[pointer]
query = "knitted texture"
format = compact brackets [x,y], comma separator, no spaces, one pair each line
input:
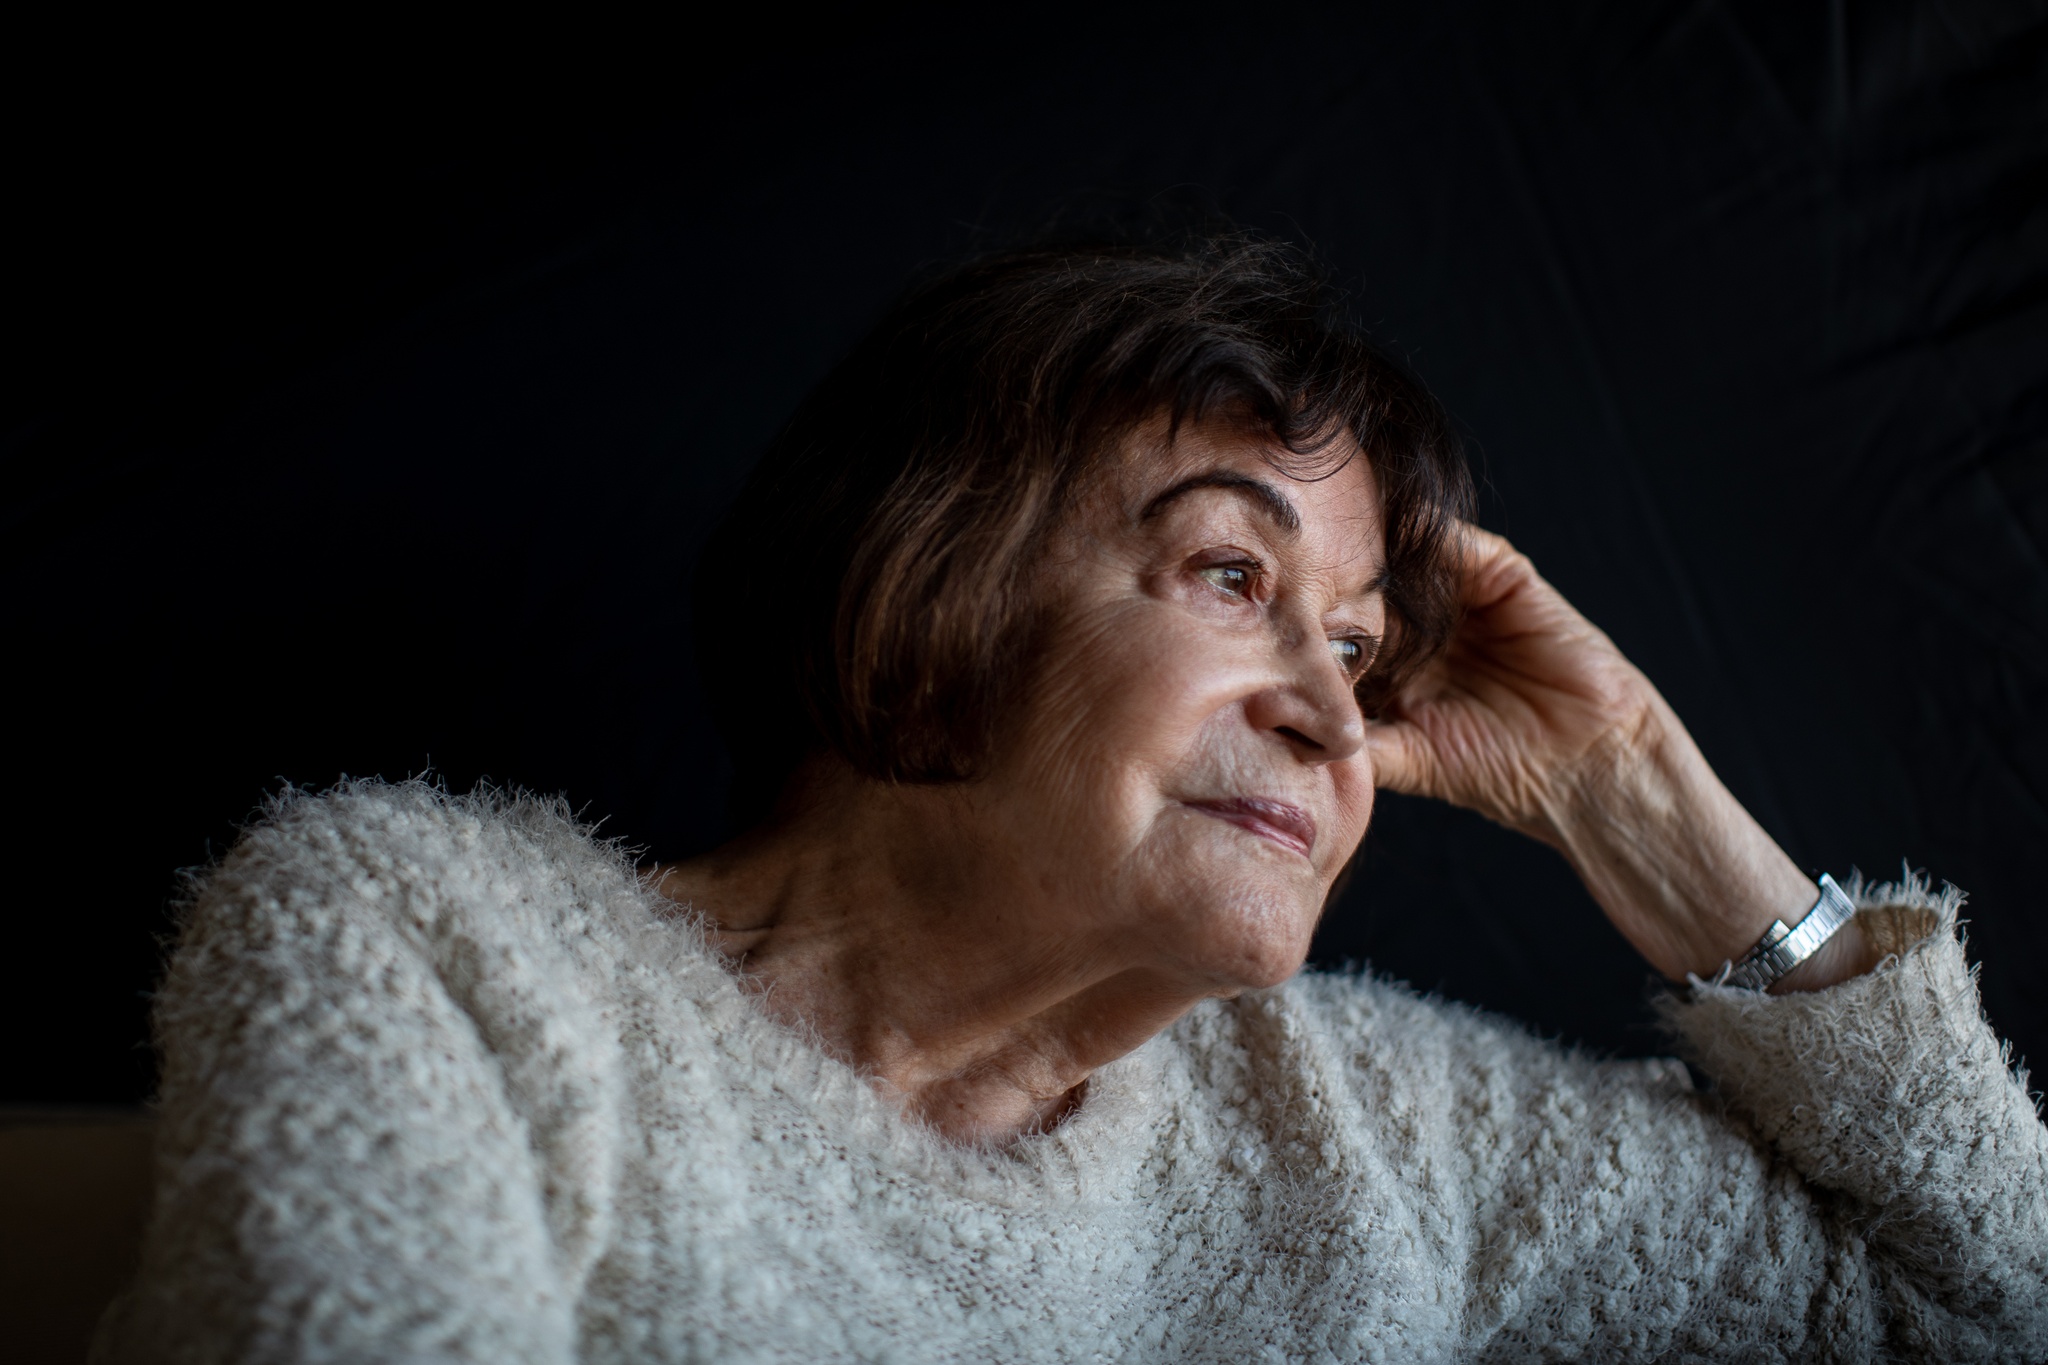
[444,1080]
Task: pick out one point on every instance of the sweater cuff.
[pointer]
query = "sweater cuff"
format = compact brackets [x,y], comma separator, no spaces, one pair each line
[1907,1034]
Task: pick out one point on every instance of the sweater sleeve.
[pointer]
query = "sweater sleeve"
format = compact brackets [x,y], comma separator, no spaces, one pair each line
[361,1154]
[1894,1101]
[1866,1180]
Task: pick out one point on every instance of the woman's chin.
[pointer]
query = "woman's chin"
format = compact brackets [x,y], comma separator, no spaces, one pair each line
[1229,906]
[1257,937]
[1268,965]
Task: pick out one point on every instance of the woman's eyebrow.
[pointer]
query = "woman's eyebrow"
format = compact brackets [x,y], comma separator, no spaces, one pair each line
[1263,495]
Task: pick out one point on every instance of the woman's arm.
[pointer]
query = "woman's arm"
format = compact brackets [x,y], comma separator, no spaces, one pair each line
[1680,867]
[1871,1072]
[1534,719]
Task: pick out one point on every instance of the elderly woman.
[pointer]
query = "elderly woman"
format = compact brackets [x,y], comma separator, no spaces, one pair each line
[1061,642]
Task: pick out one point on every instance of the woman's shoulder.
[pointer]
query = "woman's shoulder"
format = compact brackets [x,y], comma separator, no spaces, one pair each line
[381,924]
[409,863]
[389,1032]
[371,831]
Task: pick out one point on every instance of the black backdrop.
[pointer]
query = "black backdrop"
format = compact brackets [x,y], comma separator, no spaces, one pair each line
[364,414]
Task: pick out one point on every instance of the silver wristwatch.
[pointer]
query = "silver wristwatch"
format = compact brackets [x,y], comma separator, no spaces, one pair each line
[1782,949]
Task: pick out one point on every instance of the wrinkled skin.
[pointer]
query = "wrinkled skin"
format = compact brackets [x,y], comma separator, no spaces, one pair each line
[1187,777]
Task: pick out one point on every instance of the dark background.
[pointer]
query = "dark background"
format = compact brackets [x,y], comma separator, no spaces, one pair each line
[369,394]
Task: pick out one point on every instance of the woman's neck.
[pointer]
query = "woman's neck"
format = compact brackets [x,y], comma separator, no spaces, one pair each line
[886,921]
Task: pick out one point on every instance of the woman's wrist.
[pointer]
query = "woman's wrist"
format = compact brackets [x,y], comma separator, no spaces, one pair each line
[1680,867]
[1847,953]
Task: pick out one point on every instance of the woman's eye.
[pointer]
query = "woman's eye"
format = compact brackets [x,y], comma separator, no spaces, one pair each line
[1351,656]
[1235,579]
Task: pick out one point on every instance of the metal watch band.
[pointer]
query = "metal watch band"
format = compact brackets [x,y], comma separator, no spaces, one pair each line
[1781,949]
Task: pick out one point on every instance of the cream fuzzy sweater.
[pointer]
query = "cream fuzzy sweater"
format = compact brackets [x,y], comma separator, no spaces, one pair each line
[443,1080]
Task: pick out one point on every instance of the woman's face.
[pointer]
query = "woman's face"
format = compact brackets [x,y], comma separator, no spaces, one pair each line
[1188,776]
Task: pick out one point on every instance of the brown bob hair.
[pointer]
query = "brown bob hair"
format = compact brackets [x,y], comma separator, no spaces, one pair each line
[869,581]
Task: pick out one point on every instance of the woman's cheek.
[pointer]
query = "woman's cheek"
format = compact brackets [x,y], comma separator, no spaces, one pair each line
[1130,691]
[1107,714]
[1154,669]
[1354,795]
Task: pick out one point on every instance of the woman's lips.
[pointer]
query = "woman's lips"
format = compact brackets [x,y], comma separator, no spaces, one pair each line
[1288,826]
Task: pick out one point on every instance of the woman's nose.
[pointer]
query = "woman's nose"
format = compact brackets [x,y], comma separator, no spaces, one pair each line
[1312,706]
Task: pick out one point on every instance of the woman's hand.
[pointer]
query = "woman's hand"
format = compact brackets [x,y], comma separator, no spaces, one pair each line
[1534,719]
[1530,705]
